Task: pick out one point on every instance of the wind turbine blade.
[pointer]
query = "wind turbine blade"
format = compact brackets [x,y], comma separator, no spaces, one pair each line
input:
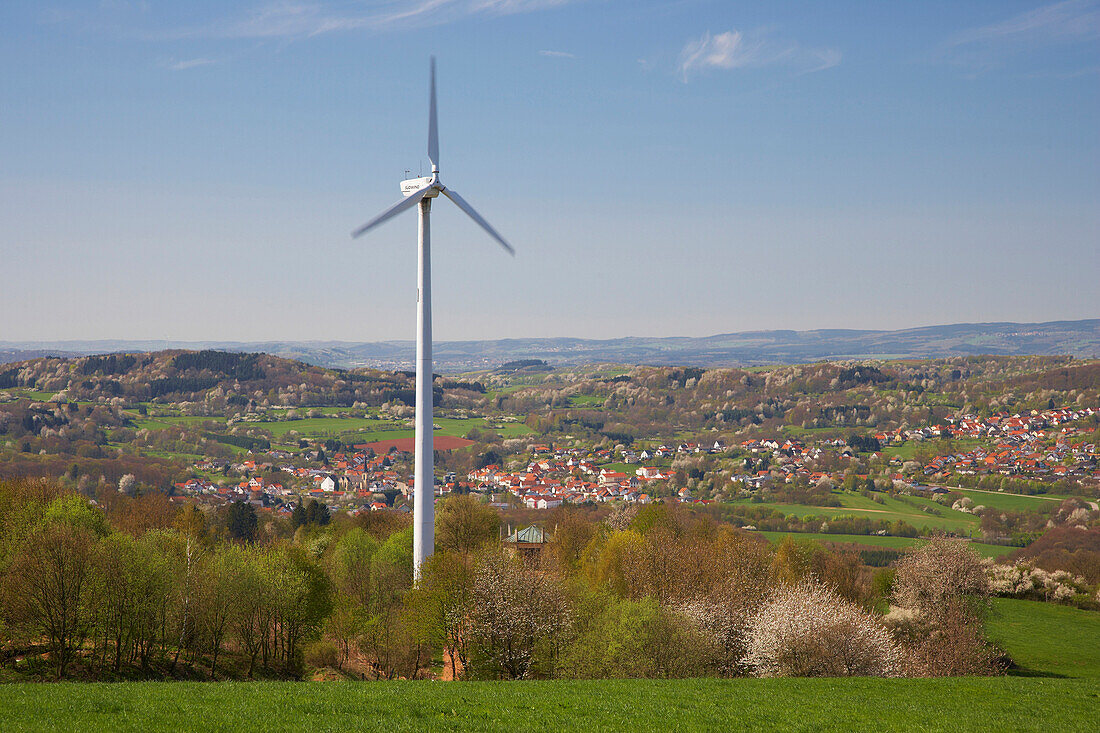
[406,203]
[470,212]
[433,127]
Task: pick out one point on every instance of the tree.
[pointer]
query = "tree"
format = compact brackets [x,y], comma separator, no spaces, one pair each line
[942,591]
[572,533]
[446,580]
[250,595]
[297,516]
[241,521]
[807,630]
[463,524]
[126,484]
[317,513]
[351,565]
[941,571]
[310,512]
[301,600]
[49,586]
[632,639]
[518,620]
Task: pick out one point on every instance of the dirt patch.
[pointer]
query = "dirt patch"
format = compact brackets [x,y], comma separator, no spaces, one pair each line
[440,442]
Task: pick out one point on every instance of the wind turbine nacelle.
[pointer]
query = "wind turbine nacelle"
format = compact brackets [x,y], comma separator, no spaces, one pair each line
[412,185]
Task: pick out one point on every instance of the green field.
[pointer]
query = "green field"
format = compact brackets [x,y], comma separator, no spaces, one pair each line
[1046,639]
[894,543]
[628,468]
[891,509]
[1011,502]
[321,426]
[363,429]
[30,394]
[159,422]
[1013,703]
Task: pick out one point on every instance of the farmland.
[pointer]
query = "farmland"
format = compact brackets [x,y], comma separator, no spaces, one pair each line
[893,543]
[912,510]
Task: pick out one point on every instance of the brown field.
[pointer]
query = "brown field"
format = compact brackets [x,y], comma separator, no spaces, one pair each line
[441,442]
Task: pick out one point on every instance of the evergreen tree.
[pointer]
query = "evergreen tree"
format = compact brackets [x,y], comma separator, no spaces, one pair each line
[241,521]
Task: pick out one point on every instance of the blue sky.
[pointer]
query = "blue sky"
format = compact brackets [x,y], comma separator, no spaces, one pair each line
[192,170]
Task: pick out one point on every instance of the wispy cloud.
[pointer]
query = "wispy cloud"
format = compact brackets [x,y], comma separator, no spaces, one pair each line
[558,54]
[190,63]
[735,49]
[289,19]
[1073,20]
[304,18]
[1057,24]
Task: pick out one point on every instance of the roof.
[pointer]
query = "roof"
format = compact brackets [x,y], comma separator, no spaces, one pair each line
[530,534]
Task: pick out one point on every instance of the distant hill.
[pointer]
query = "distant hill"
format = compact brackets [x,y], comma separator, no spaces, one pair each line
[749,348]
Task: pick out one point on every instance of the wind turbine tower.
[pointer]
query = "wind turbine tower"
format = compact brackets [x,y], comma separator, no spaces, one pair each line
[420,192]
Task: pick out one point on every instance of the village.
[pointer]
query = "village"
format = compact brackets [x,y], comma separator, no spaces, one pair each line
[1043,445]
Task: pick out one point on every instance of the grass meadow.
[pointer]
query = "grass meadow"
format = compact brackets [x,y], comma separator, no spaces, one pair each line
[875,541]
[891,509]
[1046,639]
[1012,502]
[362,429]
[1014,703]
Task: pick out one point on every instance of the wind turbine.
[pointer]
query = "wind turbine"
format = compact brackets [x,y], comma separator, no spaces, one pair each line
[421,191]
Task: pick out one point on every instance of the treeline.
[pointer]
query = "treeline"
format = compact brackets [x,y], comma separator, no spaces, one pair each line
[154,601]
[139,589]
[852,398]
[107,364]
[220,381]
[243,367]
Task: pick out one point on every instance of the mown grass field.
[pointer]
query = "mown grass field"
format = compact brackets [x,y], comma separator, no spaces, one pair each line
[891,509]
[1012,502]
[326,427]
[893,543]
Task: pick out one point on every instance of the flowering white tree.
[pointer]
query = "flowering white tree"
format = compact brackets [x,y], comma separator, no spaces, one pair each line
[517,612]
[944,587]
[808,630]
[939,572]
[1020,580]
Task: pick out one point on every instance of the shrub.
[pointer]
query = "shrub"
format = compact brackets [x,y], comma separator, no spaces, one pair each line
[941,571]
[808,630]
[944,586]
[1023,581]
